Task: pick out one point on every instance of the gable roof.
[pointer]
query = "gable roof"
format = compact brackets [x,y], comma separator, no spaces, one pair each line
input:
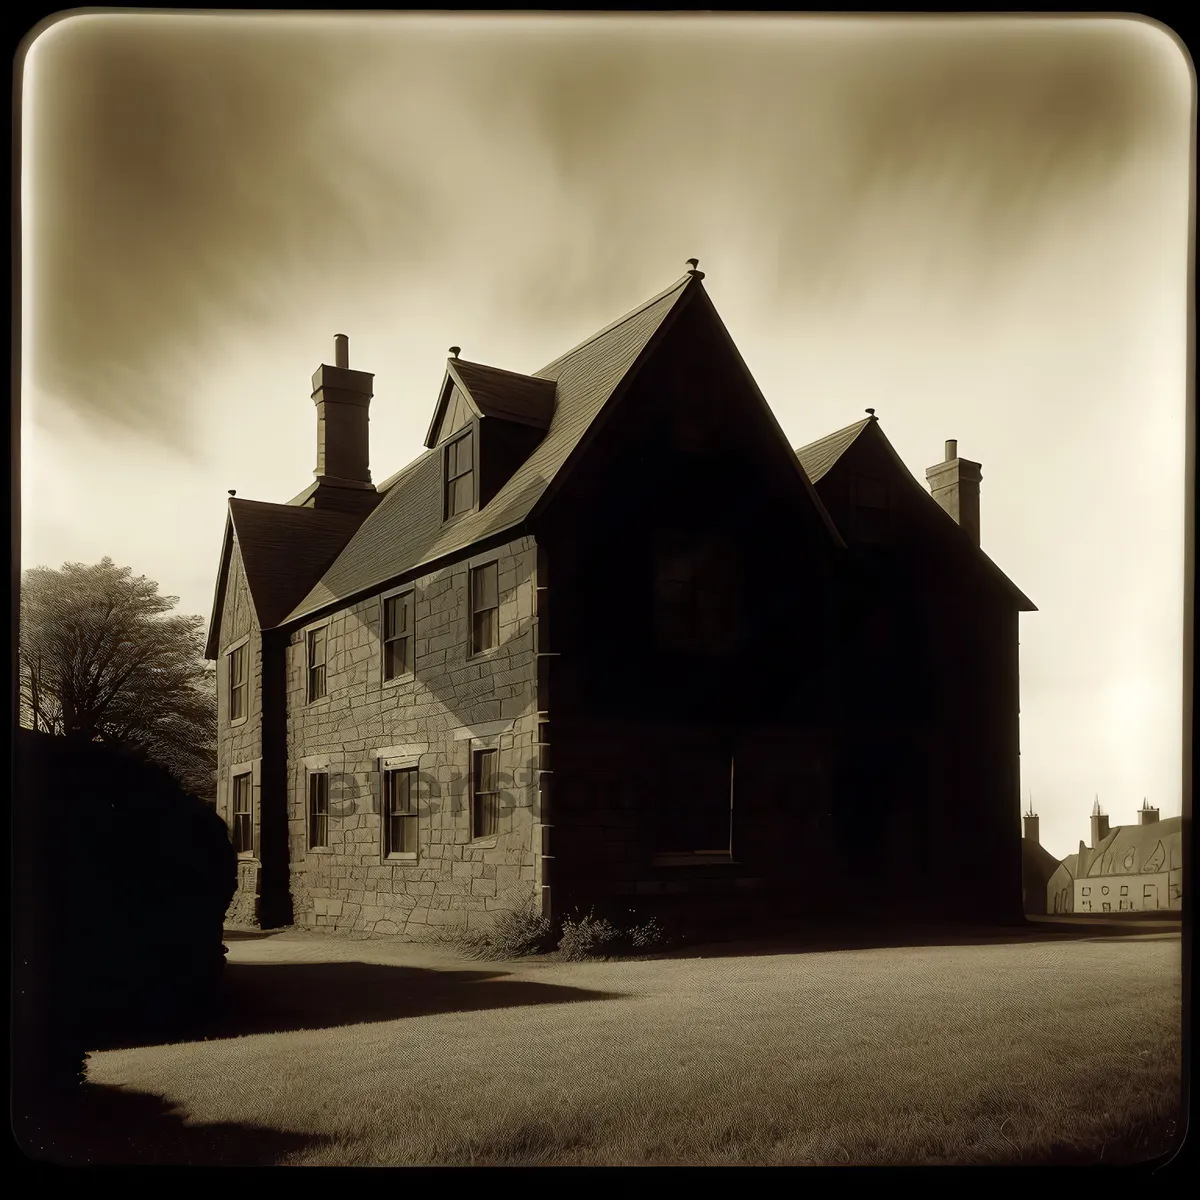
[1137,844]
[491,392]
[284,550]
[406,532]
[820,457]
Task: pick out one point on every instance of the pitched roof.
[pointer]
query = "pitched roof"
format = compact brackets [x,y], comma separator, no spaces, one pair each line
[284,550]
[818,457]
[1129,849]
[406,532]
[506,395]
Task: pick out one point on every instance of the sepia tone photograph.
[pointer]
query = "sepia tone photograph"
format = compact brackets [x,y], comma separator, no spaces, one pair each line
[602,590]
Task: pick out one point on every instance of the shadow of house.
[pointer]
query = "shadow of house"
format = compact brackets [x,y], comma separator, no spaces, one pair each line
[99,1125]
[279,997]
[101,945]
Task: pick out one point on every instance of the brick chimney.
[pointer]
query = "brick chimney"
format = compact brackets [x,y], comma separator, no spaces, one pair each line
[343,400]
[1032,827]
[955,486]
[1147,815]
[1099,824]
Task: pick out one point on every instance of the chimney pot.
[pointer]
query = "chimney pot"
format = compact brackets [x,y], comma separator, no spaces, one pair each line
[954,484]
[455,351]
[341,351]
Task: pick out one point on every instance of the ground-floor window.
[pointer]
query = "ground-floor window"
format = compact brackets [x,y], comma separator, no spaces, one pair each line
[242,814]
[318,810]
[399,812]
[484,793]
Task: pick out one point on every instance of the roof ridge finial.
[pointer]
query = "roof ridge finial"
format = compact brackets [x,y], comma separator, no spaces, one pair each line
[693,268]
[871,414]
[455,351]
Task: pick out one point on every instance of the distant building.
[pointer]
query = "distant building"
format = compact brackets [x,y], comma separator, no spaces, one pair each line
[1038,866]
[1130,868]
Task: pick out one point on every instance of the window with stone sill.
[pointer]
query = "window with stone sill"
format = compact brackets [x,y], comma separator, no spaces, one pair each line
[484,794]
[400,813]
[317,642]
[318,810]
[238,685]
[397,636]
[242,816]
[485,607]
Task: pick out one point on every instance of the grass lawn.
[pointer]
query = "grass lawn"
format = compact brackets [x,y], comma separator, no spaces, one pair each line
[348,1052]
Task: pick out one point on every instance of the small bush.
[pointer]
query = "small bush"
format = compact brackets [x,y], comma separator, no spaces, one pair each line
[515,934]
[588,936]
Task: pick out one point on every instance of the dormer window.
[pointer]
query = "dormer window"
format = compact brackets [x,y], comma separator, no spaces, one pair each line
[460,474]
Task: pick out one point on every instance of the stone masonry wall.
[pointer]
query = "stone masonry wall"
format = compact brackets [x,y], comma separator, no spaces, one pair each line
[452,704]
[239,747]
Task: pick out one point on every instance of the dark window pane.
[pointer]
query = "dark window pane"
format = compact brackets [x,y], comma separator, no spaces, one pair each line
[484,631]
[390,608]
[485,591]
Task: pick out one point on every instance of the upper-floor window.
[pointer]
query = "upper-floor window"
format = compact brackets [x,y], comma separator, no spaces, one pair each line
[485,607]
[460,474]
[398,636]
[694,598]
[872,509]
[238,686]
[317,642]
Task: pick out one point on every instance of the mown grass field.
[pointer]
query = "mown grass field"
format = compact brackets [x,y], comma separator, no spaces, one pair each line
[344,1052]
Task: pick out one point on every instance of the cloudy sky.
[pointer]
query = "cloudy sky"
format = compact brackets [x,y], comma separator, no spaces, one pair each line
[978,227]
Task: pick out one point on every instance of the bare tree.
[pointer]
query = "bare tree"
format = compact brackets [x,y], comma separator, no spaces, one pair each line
[103,658]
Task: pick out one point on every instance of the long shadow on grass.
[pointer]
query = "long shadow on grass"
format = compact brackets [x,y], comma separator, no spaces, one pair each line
[277,997]
[99,1125]
[814,938]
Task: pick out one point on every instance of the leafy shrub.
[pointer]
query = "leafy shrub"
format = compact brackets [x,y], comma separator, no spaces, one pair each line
[514,934]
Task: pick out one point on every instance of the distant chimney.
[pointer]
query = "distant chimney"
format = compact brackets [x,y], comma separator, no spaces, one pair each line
[955,486]
[1099,825]
[1147,815]
[343,398]
[1032,827]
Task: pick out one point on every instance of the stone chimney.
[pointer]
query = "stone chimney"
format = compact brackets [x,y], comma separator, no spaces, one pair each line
[1147,815]
[343,400]
[955,486]
[1099,824]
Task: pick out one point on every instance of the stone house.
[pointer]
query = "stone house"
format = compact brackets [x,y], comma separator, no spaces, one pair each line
[1128,868]
[609,640]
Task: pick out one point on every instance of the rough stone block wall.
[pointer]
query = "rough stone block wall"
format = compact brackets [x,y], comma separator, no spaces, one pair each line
[452,704]
[240,745]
